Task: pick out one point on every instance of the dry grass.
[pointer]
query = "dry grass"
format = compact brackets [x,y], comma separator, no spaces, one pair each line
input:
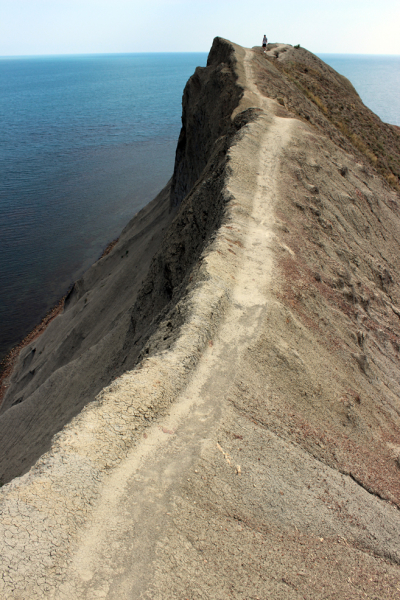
[329,103]
[311,96]
[357,142]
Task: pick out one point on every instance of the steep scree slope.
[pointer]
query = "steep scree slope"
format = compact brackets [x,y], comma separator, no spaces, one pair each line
[253,451]
[313,91]
[111,313]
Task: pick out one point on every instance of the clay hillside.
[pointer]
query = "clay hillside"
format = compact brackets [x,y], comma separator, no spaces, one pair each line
[215,413]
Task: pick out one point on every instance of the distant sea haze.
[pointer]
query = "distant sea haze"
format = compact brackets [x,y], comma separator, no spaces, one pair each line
[86,141]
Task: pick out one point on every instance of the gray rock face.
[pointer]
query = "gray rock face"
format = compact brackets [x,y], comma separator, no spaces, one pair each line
[119,303]
[209,99]
[249,447]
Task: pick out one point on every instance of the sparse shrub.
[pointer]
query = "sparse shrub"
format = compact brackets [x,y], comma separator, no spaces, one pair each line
[317,100]
[297,46]
[319,103]
[392,179]
[359,144]
[343,128]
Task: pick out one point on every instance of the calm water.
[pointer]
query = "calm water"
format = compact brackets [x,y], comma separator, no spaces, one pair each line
[85,142]
[376,79]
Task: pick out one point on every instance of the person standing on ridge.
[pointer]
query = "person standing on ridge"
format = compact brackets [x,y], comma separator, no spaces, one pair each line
[264,42]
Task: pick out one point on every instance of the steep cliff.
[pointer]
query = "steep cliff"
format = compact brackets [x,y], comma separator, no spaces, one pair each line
[113,311]
[249,320]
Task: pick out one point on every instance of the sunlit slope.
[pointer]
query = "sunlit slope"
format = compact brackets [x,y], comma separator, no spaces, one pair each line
[250,448]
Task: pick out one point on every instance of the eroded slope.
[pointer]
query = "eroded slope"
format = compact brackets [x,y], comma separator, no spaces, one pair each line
[252,453]
[123,300]
[316,93]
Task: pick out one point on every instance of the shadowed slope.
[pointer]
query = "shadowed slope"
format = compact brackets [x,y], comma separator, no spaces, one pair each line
[253,450]
[119,303]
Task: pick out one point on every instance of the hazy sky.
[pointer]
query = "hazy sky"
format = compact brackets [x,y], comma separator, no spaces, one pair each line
[91,26]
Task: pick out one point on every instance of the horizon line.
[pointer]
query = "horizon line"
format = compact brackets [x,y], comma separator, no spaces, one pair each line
[70,54]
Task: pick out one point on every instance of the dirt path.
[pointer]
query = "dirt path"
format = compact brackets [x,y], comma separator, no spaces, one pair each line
[176,483]
[116,548]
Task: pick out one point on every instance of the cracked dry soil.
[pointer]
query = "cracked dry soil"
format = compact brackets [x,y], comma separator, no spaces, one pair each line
[257,457]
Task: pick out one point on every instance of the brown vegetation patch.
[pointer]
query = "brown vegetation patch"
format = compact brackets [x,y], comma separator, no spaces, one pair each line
[108,248]
[7,364]
[330,438]
[299,286]
[316,93]
[367,463]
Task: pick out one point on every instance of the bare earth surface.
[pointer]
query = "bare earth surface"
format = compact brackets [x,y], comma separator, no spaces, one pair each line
[254,453]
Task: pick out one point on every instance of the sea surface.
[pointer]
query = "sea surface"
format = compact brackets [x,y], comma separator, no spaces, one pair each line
[85,142]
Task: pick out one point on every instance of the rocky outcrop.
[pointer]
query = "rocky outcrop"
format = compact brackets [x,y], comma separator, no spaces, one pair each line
[204,120]
[248,445]
[113,311]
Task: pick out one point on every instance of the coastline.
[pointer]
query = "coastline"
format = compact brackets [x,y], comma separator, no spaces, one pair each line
[8,362]
[83,183]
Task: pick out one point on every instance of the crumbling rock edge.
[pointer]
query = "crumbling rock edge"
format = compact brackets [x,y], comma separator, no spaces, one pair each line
[249,453]
[123,300]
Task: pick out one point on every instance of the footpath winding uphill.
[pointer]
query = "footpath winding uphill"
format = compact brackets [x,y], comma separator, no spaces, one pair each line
[252,448]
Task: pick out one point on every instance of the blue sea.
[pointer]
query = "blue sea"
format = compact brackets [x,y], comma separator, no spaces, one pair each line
[86,142]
